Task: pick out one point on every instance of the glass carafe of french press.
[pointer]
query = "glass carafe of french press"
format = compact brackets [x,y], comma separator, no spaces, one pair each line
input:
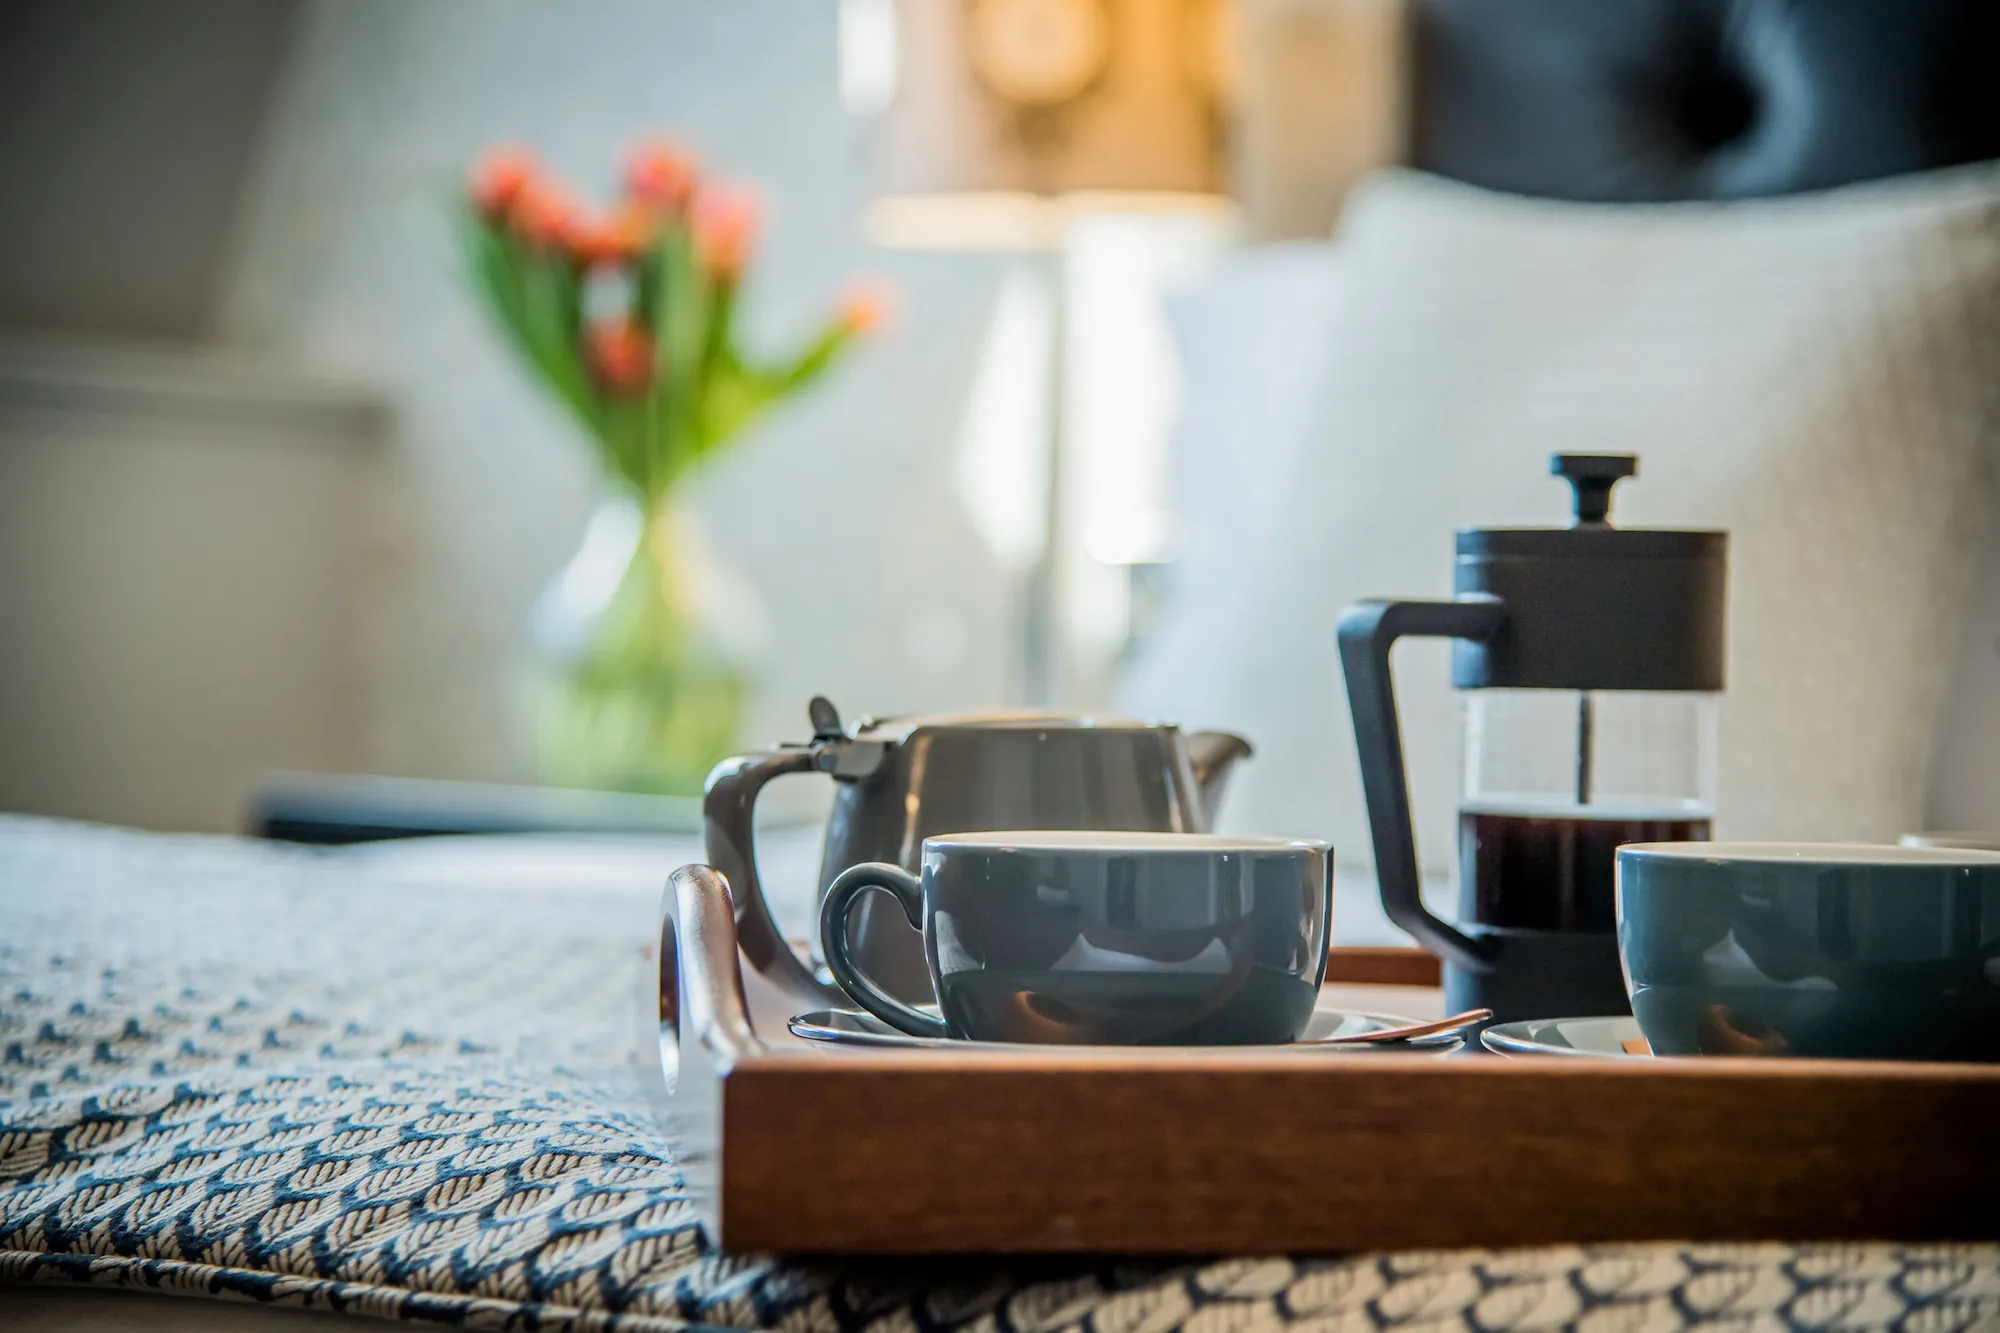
[1591,657]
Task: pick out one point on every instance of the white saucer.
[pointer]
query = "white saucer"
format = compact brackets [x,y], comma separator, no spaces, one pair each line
[1602,1037]
[853,1027]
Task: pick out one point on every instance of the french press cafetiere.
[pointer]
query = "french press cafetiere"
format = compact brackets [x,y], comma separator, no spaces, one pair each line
[1591,657]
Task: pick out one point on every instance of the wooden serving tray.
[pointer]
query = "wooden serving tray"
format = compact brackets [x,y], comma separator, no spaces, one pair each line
[798,1147]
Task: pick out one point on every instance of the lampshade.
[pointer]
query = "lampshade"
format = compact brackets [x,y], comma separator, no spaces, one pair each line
[1004,118]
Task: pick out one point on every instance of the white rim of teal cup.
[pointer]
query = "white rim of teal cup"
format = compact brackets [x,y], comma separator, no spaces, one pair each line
[1961,839]
[1829,854]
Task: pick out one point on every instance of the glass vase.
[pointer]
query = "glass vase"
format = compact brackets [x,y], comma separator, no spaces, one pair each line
[650,645]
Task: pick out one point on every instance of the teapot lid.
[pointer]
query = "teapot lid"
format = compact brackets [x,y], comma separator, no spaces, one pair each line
[1027,719]
[828,726]
[1592,606]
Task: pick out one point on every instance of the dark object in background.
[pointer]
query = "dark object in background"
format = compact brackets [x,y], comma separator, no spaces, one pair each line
[336,809]
[1701,99]
[127,129]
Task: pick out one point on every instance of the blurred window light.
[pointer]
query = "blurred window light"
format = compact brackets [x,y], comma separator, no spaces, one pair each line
[1003,470]
[1124,376]
[1123,393]
[867,41]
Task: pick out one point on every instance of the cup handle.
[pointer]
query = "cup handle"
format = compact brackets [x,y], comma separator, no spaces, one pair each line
[848,886]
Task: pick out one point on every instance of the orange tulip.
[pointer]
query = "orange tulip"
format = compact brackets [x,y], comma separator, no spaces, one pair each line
[867,305]
[724,222]
[619,354]
[660,174]
[543,212]
[498,178]
[614,238]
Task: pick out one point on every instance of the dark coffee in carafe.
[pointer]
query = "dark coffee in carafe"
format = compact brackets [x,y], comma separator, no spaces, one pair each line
[1552,869]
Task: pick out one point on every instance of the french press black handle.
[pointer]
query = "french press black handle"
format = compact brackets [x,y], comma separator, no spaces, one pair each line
[1368,630]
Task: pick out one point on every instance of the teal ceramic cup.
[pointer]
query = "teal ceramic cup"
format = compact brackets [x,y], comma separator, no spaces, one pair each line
[1812,949]
[1100,938]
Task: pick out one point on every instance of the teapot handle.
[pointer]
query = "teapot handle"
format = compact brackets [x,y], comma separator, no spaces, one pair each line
[1367,631]
[727,808]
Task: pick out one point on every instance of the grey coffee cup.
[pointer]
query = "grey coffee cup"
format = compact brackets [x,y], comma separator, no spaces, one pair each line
[1103,938]
[1815,949]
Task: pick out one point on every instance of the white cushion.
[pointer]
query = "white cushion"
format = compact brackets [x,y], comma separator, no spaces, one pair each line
[1252,339]
[1816,374]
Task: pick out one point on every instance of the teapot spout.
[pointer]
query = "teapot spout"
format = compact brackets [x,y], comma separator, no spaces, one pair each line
[1212,754]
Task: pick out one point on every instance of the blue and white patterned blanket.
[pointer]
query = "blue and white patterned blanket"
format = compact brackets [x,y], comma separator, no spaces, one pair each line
[237,1069]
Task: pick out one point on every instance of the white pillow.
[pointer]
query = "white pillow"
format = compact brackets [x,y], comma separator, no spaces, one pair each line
[1817,374]
[1251,337]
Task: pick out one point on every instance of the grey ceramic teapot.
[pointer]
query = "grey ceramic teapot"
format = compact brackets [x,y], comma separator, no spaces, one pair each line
[899,780]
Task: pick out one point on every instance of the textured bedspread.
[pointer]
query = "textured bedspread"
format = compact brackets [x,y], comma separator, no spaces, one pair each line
[240,1070]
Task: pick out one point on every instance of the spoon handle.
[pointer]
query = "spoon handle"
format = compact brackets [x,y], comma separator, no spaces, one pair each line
[1456,1022]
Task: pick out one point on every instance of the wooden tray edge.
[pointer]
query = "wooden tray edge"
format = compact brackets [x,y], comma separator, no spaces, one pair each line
[806,1151]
